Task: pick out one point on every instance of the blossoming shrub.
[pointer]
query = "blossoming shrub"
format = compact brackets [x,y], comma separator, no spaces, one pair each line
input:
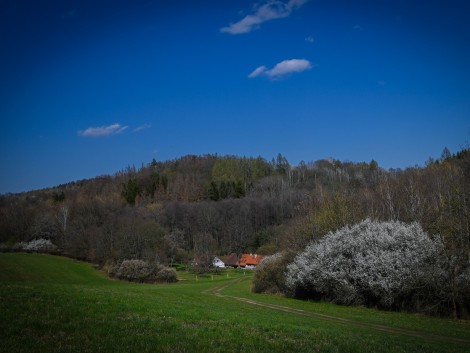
[36,245]
[165,274]
[142,271]
[40,245]
[384,264]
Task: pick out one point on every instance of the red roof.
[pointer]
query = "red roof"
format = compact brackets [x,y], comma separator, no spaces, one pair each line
[250,260]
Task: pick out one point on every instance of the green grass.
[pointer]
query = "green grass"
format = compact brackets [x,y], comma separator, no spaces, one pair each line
[54,304]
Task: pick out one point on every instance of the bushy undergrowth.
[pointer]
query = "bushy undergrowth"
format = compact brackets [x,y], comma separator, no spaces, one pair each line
[36,245]
[143,272]
[390,265]
[270,274]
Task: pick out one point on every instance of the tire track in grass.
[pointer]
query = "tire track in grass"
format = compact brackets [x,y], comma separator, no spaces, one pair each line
[217,291]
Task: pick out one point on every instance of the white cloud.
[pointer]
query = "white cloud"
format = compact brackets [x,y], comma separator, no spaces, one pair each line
[270,10]
[310,39]
[102,131]
[142,127]
[258,71]
[282,69]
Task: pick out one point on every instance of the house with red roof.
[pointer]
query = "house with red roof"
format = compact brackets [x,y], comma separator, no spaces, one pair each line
[250,261]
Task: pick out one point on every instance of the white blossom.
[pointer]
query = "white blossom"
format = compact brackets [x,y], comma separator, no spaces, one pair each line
[368,262]
[38,245]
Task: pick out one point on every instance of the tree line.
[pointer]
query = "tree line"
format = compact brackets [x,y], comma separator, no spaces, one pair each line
[171,211]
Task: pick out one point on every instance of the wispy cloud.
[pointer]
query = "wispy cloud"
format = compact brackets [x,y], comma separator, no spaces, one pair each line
[282,69]
[310,39]
[270,10]
[258,71]
[142,127]
[103,131]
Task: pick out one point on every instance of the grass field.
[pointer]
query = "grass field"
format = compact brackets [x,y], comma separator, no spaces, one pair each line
[54,304]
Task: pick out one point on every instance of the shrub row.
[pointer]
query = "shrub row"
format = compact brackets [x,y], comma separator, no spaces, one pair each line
[142,272]
[389,265]
[36,245]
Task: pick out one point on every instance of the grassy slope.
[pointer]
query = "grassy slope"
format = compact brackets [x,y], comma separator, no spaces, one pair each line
[53,304]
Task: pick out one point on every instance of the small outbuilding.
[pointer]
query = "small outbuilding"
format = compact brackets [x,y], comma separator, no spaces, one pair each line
[231,260]
[217,262]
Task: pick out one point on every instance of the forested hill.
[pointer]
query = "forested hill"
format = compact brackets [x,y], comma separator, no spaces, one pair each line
[196,205]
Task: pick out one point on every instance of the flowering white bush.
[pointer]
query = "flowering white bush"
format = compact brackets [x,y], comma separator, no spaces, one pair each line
[371,263]
[40,245]
[142,271]
[134,270]
[36,245]
[165,274]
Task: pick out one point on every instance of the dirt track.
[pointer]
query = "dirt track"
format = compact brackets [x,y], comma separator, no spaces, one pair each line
[217,291]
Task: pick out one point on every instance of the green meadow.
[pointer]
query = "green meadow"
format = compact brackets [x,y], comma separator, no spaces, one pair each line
[55,304]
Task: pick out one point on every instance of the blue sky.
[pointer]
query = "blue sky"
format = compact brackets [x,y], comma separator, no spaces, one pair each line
[90,87]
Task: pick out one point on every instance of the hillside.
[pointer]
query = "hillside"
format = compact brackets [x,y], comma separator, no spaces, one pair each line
[53,304]
[172,211]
